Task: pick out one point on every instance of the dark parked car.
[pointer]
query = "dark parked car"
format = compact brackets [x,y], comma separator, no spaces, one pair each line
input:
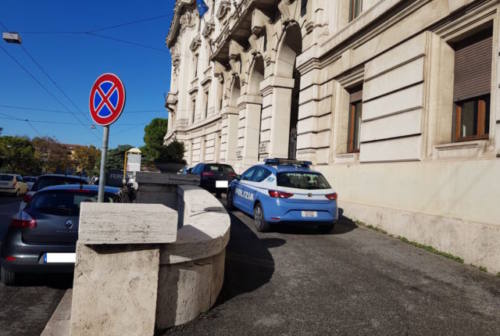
[51,180]
[214,177]
[42,237]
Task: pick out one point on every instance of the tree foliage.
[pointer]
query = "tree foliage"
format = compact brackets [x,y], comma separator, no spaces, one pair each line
[116,157]
[87,159]
[154,133]
[53,156]
[44,155]
[17,155]
[173,152]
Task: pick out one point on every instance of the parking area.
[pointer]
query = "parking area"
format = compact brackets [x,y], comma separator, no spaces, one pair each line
[296,281]
[353,281]
[26,307]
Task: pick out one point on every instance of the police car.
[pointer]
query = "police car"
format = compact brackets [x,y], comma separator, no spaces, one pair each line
[284,191]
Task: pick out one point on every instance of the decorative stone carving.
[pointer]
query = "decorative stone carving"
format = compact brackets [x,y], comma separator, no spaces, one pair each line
[288,10]
[309,27]
[235,50]
[259,21]
[208,28]
[224,7]
[186,21]
[176,61]
[195,44]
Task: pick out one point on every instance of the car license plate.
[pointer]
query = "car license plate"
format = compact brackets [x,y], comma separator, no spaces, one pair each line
[59,258]
[221,184]
[309,214]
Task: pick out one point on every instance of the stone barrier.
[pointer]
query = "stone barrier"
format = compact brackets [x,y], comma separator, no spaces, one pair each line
[141,273]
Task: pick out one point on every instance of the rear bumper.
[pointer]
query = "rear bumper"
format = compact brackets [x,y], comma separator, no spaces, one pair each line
[10,191]
[283,211]
[210,185]
[28,258]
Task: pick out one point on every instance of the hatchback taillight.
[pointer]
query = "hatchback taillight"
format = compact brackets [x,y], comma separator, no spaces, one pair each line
[332,197]
[208,173]
[24,222]
[27,198]
[279,194]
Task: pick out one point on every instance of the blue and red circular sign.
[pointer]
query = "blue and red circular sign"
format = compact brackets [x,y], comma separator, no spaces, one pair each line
[107,99]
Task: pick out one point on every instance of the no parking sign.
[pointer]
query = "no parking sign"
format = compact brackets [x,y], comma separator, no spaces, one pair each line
[106,102]
[107,99]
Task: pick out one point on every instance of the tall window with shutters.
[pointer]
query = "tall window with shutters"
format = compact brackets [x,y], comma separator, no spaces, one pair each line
[355,110]
[472,86]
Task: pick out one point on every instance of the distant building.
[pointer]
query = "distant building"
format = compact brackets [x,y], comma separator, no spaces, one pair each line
[394,101]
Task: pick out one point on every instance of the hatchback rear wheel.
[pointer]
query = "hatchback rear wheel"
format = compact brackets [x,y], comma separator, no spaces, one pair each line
[260,223]
[8,277]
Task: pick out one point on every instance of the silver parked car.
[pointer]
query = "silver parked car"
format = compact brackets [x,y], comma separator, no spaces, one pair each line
[42,237]
[13,184]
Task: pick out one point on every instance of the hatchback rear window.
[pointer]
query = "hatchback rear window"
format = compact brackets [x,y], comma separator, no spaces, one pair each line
[219,168]
[64,203]
[48,181]
[302,180]
[6,177]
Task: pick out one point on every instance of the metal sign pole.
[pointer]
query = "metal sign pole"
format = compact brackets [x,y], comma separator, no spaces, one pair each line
[102,173]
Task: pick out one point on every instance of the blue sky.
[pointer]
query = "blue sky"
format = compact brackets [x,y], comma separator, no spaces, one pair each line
[74,60]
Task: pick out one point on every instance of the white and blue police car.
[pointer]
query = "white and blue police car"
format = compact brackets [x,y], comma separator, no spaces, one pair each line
[284,191]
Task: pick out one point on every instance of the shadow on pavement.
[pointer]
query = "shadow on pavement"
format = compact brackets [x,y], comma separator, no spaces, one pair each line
[344,225]
[249,265]
[55,280]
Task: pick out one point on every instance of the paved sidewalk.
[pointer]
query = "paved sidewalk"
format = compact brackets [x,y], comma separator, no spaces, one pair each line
[353,282]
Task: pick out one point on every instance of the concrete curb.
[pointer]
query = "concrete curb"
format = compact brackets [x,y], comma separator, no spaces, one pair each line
[60,321]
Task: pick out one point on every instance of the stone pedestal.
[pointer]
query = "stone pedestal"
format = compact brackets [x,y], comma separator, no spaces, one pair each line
[116,272]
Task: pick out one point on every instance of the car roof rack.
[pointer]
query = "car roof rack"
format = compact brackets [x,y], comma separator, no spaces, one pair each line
[287,162]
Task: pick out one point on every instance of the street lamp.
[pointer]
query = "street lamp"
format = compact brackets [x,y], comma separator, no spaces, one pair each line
[11,37]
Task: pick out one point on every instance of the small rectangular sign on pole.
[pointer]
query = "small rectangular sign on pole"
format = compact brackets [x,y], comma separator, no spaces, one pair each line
[133,162]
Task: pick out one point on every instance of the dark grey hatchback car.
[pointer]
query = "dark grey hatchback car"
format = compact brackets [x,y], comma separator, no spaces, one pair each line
[42,237]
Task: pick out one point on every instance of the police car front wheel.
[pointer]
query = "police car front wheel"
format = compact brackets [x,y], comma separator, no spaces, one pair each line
[260,223]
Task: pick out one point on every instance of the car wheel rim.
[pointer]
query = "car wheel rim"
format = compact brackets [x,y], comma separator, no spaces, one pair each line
[258,215]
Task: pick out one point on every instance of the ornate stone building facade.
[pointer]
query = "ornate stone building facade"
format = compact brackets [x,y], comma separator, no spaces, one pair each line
[395,101]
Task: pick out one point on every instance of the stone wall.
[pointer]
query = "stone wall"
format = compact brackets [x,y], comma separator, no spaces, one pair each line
[149,275]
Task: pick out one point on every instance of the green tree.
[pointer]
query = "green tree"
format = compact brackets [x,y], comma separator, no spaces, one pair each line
[154,133]
[116,156]
[173,152]
[17,155]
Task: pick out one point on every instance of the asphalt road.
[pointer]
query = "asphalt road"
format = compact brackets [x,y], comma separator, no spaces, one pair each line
[26,307]
[353,281]
[294,281]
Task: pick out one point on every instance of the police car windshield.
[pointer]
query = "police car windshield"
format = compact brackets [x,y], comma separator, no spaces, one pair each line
[302,180]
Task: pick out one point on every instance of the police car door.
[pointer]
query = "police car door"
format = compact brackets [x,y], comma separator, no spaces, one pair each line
[257,185]
[242,195]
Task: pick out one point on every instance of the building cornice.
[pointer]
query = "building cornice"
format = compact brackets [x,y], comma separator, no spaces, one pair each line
[175,24]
